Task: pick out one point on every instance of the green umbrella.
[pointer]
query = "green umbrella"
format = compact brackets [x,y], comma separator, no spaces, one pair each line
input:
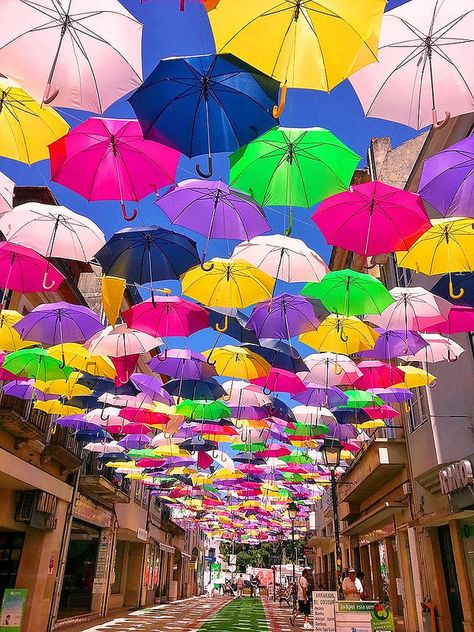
[307,430]
[361,399]
[37,364]
[350,293]
[297,457]
[195,409]
[293,477]
[145,453]
[248,447]
[293,167]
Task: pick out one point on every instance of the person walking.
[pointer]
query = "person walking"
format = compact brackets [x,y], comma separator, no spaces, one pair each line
[240,586]
[349,587]
[304,606]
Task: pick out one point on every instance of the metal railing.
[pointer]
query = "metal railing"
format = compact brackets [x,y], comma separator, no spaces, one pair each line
[24,409]
[91,466]
[64,438]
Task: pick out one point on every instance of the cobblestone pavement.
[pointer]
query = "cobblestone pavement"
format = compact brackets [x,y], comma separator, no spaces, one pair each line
[278,617]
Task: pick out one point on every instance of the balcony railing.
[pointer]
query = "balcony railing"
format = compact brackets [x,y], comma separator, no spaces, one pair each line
[93,468]
[22,420]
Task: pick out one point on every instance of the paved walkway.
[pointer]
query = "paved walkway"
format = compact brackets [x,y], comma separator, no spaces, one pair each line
[240,615]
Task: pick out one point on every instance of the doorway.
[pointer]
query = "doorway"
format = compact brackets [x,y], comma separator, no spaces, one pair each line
[11,546]
[451,578]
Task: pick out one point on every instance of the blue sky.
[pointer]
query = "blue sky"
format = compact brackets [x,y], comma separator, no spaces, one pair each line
[168,32]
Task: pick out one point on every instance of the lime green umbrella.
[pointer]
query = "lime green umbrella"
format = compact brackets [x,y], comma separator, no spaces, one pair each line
[297,457]
[144,453]
[293,477]
[37,364]
[350,293]
[248,447]
[307,430]
[361,399]
[196,409]
[293,167]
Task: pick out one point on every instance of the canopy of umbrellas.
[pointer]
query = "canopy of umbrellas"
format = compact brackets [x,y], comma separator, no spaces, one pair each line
[229,435]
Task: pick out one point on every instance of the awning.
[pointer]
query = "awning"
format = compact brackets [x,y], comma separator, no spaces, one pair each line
[166,548]
[373,518]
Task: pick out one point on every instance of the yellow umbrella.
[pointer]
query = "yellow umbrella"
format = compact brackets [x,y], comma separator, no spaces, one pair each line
[228,283]
[79,358]
[10,339]
[415,377]
[373,423]
[237,362]
[67,387]
[309,44]
[341,334]
[55,407]
[226,475]
[446,247]
[170,450]
[26,127]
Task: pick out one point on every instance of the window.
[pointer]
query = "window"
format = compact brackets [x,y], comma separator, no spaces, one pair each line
[419,409]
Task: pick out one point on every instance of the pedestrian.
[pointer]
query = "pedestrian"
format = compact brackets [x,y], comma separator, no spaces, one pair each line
[360,583]
[240,586]
[349,587]
[304,606]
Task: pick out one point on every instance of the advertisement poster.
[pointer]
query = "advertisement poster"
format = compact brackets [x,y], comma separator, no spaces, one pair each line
[354,615]
[382,620]
[13,608]
[324,615]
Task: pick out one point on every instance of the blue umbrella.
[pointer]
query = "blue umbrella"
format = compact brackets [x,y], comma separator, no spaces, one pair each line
[147,254]
[205,104]
[461,281]
[236,324]
[279,355]
[205,390]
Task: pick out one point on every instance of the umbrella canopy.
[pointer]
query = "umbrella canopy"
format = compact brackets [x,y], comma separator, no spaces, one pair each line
[53,231]
[238,362]
[377,374]
[416,57]
[283,317]
[203,104]
[331,369]
[107,159]
[182,364]
[279,355]
[318,396]
[166,316]
[195,409]
[460,319]
[462,287]
[394,343]
[447,180]
[350,293]
[293,167]
[283,258]
[372,218]
[9,337]
[90,50]
[119,341]
[78,356]
[437,349]
[35,363]
[7,187]
[24,270]
[341,334]
[280,381]
[26,128]
[205,390]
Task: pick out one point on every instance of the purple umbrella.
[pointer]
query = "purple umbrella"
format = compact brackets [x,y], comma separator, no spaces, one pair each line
[392,395]
[447,181]
[134,441]
[152,387]
[24,389]
[77,423]
[182,364]
[214,210]
[392,344]
[252,413]
[318,395]
[343,432]
[282,317]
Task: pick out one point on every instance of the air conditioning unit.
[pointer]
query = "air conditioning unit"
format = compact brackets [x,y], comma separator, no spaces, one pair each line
[25,507]
[38,509]
[407,489]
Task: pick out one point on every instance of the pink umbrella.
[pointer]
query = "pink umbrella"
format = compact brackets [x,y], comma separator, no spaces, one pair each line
[274,451]
[460,320]
[107,159]
[331,369]
[381,412]
[378,374]
[280,381]
[24,270]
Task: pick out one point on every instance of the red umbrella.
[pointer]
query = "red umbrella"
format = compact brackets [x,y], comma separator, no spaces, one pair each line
[376,374]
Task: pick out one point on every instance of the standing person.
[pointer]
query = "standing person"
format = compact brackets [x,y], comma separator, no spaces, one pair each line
[360,583]
[240,586]
[304,606]
[349,587]
[252,586]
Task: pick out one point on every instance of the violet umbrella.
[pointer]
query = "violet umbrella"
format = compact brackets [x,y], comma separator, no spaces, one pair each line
[214,210]
[447,180]
[283,317]
[24,270]
[392,395]
[107,159]
[394,343]
[182,364]
[318,395]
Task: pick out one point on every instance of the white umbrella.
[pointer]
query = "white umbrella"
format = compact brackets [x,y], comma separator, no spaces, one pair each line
[425,64]
[331,369]
[119,341]
[53,231]
[104,448]
[313,415]
[6,193]
[439,348]
[82,54]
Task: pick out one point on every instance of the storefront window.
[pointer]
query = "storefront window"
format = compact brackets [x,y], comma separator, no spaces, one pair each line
[11,545]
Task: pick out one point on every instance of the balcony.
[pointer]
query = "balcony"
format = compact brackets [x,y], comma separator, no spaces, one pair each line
[21,420]
[103,483]
[62,447]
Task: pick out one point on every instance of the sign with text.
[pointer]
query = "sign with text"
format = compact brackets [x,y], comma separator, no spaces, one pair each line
[13,609]
[382,619]
[354,616]
[324,615]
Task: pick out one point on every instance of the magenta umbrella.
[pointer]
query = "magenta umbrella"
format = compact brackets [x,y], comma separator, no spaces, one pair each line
[24,270]
[107,159]
[372,218]
[460,320]
[280,381]
[377,374]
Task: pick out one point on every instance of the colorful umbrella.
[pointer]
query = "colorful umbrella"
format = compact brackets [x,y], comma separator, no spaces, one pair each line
[166,316]
[341,334]
[9,338]
[238,362]
[438,348]
[318,395]
[377,374]
[331,369]
[393,343]
[462,287]
[195,409]
[280,381]
[205,390]
[283,317]
[35,363]
[107,159]
[182,364]
[24,270]
[7,187]
[460,320]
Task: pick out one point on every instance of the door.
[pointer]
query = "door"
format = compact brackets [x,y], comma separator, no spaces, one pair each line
[11,545]
[451,579]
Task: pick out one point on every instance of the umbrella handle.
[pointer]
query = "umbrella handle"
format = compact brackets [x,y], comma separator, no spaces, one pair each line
[460,294]
[208,268]
[182,4]
[266,391]
[102,416]
[224,327]
[165,355]
[167,435]
[128,218]
[407,407]
[45,285]
[443,123]
[205,174]
[451,358]
[338,369]
[209,361]
[50,94]
[370,266]
[278,109]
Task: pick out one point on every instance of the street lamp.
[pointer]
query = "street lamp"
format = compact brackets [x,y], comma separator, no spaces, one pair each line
[331,449]
[292,513]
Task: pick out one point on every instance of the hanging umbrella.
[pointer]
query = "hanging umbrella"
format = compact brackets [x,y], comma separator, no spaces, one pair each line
[238,362]
[293,167]
[235,323]
[53,231]
[372,218]
[182,364]
[417,58]
[283,258]
[214,210]
[376,374]
[304,45]
[90,51]
[206,390]
[280,381]
[166,316]
[331,369]
[350,293]
[460,320]
[24,270]
[437,349]
[195,409]
[7,187]
[283,317]
[340,334]
[242,394]
[107,159]
[446,247]
[9,338]
[35,363]
[279,355]
[78,357]
[416,377]
[447,180]
[392,395]
[203,104]
[26,128]
[394,343]
[147,254]
[318,395]
[460,281]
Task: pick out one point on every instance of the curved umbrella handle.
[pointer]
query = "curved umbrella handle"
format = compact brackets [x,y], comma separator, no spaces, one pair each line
[342,335]
[45,285]
[50,94]
[167,435]
[102,415]
[127,377]
[443,123]
[208,268]
[128,218]
[54,427]
[289,230]
[99,466]
[338,369]
[227,396]
[224,327]
[209,361]
[407,407]
[460,294]
[162,358]
[451,358]
[266,390]
[209,172]
[278,109]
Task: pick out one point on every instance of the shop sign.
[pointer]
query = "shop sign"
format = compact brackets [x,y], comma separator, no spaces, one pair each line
[354,616]
[13,609]
[101,567]
[324,616]
[86,510]
[456,476]
[382,619]
[142,534]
